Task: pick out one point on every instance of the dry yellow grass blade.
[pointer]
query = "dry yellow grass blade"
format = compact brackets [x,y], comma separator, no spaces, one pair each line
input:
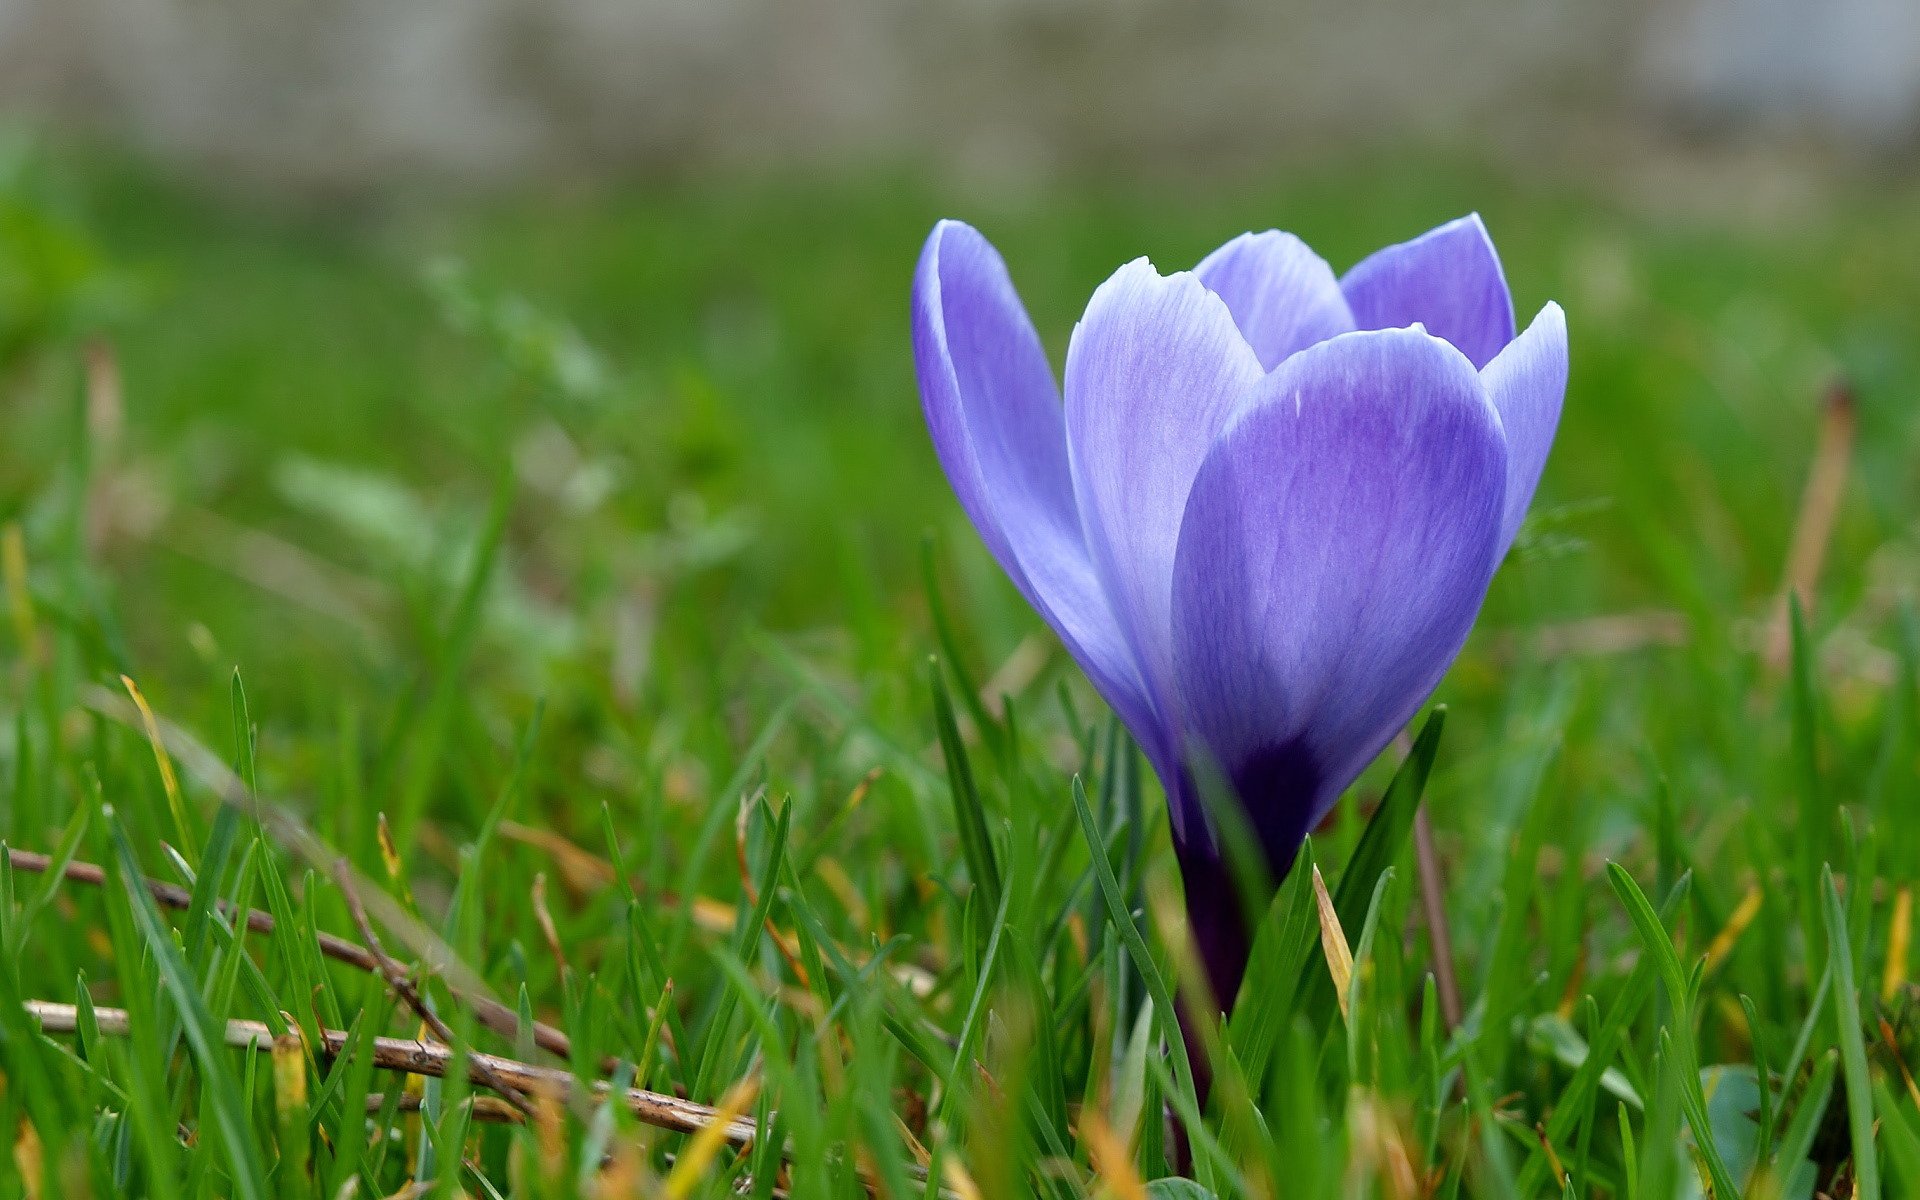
[691,1167]
[168,780]
[29,1158]
[1723,942]
[914,1146]
[1378,1150]
[1112,1161]
[543,916]
[959,1180]
[290,1071]
[1891,1041]
[1899,939]
[1333,940]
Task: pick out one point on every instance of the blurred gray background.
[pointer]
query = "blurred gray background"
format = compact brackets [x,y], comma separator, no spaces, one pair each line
[344,93]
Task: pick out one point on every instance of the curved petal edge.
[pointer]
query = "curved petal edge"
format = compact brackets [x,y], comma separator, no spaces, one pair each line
[1448,279]
[1527,382]
[1283,296]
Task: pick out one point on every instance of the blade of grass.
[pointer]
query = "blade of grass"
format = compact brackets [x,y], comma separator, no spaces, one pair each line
[1853,1050]
[1797,1143]
[1681,991]
[1136,944]
[1579,1095]
[1811,838]
[222,1091]
[719,1028]
[990,730]
[1899,1132]
[1274,970]
[969,813]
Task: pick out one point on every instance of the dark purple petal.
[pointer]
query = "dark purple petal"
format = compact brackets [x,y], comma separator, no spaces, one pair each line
[996,422]
[1527,382]
[1448,279]
[1283,296]
[1155,369]
[1336,547]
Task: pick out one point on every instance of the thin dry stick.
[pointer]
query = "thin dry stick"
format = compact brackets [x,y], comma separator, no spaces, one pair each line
[414,1057]
[481,1108]
[1439,934]
[491,1013]
[396,977]
[1819,508]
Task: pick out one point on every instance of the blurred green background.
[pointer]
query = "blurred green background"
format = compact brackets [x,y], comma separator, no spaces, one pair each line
[700,397]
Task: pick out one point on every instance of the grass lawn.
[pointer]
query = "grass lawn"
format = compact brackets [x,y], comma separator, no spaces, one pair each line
[549,584]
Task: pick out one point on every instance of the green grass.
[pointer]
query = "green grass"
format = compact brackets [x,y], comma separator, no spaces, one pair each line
[576,541]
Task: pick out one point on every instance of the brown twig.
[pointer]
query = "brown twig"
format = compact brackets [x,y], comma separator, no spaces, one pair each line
[414,1057]
[410,1056]
[492,1111]
[482,1108]
[491,1013]
[396,977]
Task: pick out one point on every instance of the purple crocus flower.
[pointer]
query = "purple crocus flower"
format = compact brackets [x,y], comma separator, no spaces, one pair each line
[1266,514]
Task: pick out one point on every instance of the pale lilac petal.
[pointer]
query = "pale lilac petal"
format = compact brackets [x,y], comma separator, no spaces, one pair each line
[1527,383]
[1283,296]
[1336,547]
[1154,371]
[995,416]
[1447,279]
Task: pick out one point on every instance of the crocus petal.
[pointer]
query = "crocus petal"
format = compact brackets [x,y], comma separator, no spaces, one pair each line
[1447,279]
[1154,370]
[1283,296]
[996,422]
[1527,383]
[1336,546]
